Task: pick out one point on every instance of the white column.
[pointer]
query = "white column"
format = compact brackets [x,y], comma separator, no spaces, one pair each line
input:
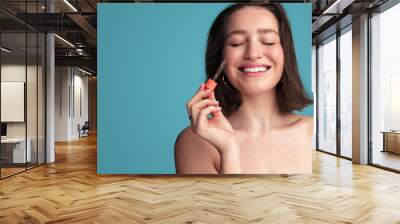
[50,92]
[360,90]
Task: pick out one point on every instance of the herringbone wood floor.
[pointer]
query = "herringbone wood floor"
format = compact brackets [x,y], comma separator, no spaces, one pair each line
[70,191]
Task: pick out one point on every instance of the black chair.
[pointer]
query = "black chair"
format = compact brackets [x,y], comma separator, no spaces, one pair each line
[84,130]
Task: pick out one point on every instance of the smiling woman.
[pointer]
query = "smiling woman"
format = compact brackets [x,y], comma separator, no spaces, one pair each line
[252,128]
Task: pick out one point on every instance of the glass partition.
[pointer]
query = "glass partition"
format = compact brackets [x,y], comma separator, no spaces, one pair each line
[22,88]
[14,153]
[346,92]
[41,88]
[32,94]
[327,95]
[385,89]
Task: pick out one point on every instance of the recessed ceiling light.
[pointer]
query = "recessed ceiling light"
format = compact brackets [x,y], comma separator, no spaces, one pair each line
[337,7]
[84,71]
[64,40]
[71,6]
[5,50]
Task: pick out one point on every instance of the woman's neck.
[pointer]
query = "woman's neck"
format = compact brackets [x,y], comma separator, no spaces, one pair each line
[257,113]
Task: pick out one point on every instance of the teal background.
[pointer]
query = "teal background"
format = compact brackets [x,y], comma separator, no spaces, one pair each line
[150,62]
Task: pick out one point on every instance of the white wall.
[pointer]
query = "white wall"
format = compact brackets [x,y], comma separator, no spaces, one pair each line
[79,117]
[62,81]
[33,127]
[16,72]
[70,83]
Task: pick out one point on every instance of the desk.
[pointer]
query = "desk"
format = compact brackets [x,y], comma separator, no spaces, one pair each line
[17,150]
[391,141]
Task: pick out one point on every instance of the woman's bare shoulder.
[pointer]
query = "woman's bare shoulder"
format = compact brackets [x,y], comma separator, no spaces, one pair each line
[193,154]
[187,137]
[306,120]
[301,139]
[302,122]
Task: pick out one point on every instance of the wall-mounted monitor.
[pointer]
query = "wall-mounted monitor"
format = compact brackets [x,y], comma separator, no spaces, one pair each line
[12,101]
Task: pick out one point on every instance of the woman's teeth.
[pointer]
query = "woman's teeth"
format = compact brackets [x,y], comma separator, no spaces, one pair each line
[255,69]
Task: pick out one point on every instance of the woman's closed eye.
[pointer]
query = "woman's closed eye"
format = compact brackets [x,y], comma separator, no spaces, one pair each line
[235,44]
[269,40]
[269,43]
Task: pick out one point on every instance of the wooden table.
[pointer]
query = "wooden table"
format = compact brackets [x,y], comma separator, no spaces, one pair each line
[391,141]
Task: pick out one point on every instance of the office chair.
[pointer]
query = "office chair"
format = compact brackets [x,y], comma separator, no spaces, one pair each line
[84,130]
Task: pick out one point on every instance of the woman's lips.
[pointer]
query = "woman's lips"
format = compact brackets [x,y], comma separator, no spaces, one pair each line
[254,74]
[255,70]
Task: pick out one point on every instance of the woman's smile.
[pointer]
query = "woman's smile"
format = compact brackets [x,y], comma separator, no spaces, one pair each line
[254,70]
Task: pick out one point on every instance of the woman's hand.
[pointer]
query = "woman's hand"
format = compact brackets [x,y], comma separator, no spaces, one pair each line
[216,130]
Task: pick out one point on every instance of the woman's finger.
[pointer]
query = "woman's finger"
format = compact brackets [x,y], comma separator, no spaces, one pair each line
[198,106]
[201,94]
[203,115]
[218,113]
[202,104]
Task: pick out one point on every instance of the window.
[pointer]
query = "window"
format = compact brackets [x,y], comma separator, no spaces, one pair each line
[385,89]
[327,96]
[346,75]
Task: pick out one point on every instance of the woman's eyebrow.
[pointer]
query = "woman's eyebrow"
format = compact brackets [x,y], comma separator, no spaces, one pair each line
[267,31]
[242,32]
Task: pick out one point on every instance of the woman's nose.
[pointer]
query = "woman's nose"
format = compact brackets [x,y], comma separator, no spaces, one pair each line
[252,51]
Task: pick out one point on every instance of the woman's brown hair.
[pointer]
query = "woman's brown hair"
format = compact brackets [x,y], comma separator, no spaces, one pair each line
[291,94]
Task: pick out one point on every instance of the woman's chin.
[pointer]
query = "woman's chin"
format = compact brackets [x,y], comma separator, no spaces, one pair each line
[253,87]
[255,90]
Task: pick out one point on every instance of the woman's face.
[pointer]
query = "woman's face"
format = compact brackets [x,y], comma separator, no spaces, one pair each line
[253,51]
